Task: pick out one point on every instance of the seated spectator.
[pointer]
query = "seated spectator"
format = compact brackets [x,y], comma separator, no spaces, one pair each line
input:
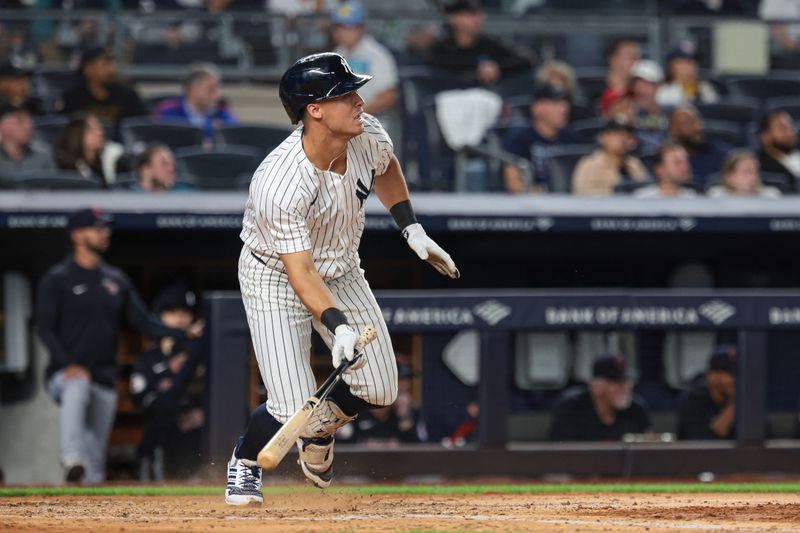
[673,174]
[396,424]
[705,155]
[560,75]
[15,89]
[467,50]
[782,16]
[100,92]
[740,178]
[683,83]
[778,152]
[707,410]
[646,78]
[606,410]
[200,105]
[156,170]
[365,55]
[611,164]
[549,127]
[83,148]
[167,386]
[621,56]
[18,154]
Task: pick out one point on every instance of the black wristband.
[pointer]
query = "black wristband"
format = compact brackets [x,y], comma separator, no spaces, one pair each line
[333,318]
[403,214]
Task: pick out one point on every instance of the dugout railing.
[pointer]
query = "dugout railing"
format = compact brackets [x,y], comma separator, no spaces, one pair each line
[751,314]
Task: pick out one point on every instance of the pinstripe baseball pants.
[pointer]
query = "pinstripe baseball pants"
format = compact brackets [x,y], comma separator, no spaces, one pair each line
[280,327]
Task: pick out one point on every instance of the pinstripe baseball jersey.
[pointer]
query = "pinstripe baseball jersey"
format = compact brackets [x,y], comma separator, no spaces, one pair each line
[294,206]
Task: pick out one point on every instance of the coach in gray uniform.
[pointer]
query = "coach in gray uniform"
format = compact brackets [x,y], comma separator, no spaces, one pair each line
[299,265]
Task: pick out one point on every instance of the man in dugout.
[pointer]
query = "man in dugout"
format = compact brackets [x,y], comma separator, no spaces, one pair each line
[167,386]
[606,410]
[707,409]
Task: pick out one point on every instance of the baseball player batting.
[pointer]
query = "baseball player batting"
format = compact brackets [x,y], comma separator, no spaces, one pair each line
[299,267]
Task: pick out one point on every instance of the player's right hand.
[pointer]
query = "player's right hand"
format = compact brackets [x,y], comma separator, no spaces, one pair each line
[344,347]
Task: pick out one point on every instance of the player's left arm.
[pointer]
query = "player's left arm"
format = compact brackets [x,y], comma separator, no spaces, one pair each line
[393,193]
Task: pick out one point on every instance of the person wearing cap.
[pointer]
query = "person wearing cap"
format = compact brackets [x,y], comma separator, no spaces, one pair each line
[707,410]
[166,385]
[548,128]
[706,155]
[15,88]
[646,78]
[606,410]
[100,92]
[673,174]
[201,104]
[610,165]
[19,155]
[465,49]
[365,56]
[80,303]
[683,84]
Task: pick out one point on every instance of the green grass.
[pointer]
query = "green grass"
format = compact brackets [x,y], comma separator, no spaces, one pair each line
[544,488]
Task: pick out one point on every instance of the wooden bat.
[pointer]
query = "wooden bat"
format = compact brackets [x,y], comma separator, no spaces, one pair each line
[279,445]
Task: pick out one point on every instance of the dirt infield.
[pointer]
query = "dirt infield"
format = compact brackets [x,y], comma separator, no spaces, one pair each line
[320,511]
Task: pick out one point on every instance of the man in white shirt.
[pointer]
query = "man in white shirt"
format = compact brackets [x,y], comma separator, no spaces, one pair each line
[673,172]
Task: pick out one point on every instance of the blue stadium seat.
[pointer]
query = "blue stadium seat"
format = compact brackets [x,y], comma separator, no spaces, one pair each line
[560,165]
[259,137]
[47,129]
[586,130]
[764,88]
[138,132]
[790,104]
[725,131]
[743,111]
[62,180]
[220,169]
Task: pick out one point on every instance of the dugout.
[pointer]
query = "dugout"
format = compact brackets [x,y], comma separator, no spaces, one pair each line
[501,243]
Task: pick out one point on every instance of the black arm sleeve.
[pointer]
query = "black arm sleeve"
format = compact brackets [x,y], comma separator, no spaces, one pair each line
[47,301]
[143,320]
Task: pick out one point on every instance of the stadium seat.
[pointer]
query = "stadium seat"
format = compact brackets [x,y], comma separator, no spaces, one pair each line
[789,104]
[47,129]
[743,111]
[542,361]
[724,131]
[586,130]
[592,82]
[560,165]
[221,169]
[50,84]
[154,102]
[137,133]
[63,180]
[764,88]
[261,138]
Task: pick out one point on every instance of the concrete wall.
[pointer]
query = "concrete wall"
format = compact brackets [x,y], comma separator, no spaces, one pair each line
[29,436]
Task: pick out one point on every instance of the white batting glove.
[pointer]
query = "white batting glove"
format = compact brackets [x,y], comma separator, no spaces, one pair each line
[429,251]
[344,347]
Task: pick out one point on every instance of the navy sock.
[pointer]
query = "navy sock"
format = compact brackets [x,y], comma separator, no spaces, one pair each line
[349,404]
[260,429]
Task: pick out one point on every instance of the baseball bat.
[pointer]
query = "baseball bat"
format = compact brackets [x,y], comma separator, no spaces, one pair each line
[279,445]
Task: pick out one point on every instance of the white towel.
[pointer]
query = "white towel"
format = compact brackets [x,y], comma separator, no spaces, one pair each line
[464,116]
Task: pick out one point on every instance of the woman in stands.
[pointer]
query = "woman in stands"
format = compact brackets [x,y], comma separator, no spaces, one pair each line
[83,148]
[740,177]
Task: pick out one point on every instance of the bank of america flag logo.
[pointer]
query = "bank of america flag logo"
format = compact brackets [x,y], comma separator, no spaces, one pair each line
[492,311]
[717,311]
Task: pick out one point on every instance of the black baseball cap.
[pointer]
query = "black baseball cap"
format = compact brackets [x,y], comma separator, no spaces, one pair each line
[9,70]
[176,296]
[611,366]
[546,91]
[723,359]
[91,53]
[680,53]
[455,6]
[616,124]
[89,218]
[7,108]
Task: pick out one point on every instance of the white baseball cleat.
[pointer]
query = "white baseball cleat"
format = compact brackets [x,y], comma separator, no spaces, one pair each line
[244,482]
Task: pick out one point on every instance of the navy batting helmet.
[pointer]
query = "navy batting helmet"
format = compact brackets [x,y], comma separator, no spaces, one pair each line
[314,78]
